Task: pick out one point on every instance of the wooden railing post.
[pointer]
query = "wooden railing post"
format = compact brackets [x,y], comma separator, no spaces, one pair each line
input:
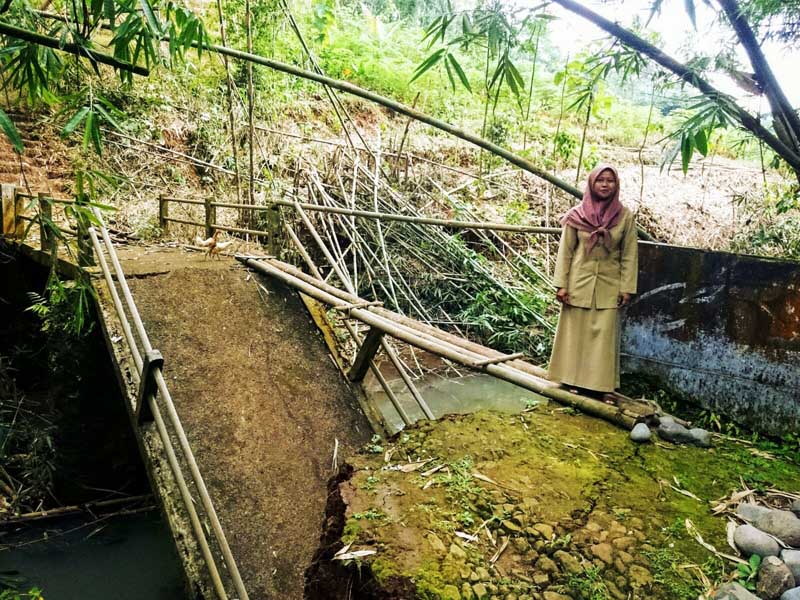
[163,213]
[275,230]
[46,239]
[85,248]
[211,217]
[8,209]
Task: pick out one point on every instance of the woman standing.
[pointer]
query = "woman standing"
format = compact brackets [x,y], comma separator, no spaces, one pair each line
[596,271]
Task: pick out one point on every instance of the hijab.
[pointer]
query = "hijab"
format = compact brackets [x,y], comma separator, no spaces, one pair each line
[593,215]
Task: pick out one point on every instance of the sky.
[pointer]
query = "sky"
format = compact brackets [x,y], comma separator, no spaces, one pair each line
[571,33]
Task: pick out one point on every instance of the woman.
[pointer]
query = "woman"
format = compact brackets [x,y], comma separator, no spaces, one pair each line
[595,274]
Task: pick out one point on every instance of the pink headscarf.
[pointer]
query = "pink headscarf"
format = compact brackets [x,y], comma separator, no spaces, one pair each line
[593,215]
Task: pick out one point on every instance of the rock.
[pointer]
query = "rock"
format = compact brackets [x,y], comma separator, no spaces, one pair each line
[639,577]
[450,592]
[556,596]
[796,507]
[545,565]
[751,540]
[545,529]
[640,433]
[750,512]
[675,433]
[624,543]
[792,594]
[483,574]
[733,591]
[792,560]
[625,557]
[701,437]
[614,591]
[783,524]
[541,579]
[604,552]
[774,578]
[457,551]
[474,577]
[511,527]
[666,419]
[520,544]
[436,543]
[466,591]
[480,591]
[568,562]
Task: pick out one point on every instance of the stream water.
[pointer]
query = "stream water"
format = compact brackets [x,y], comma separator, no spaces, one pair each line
[451,395]
[62,416]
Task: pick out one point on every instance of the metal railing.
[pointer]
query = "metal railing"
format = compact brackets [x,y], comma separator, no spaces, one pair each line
[149,362]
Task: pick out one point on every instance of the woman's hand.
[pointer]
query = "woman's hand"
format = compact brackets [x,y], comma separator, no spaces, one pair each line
[623,299]
[562,295]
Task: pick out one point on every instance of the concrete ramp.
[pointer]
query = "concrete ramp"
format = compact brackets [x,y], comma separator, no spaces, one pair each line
[261,401]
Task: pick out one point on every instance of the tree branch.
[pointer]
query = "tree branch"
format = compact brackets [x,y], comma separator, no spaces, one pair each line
[690,76]
[764,75]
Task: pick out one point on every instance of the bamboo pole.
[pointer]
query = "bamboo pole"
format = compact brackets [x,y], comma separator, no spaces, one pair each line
[408,335]
[231,119]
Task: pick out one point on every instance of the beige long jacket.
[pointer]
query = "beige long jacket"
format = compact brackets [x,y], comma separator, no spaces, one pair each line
[601,274]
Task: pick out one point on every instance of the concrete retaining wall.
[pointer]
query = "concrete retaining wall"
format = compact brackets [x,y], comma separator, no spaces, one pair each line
[722,328]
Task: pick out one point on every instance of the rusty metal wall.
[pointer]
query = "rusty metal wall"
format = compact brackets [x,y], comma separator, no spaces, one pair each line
[723,329]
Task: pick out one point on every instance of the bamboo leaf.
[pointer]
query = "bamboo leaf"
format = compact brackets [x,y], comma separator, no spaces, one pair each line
[7,125]
[687,148]
[450,75]
[428,63]
[690,10]
[74,121]
[151,18]
[701,142]
[460,72]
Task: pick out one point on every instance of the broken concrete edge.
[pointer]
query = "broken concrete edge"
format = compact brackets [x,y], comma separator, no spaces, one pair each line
[316,311]
[329,579]
[151,450]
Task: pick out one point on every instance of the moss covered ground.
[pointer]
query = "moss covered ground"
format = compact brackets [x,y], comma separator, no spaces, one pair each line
[545,504]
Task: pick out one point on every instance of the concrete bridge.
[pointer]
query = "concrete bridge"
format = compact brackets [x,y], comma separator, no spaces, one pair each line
[252,409]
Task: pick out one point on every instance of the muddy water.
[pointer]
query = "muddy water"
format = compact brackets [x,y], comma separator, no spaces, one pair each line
[67,394]
[124,558]
[451,395]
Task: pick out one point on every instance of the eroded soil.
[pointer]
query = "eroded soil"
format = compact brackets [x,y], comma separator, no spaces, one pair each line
[541,505]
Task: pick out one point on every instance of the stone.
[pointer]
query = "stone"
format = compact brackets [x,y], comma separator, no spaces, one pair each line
[666,419]
[624,543]
[625,557]
[480,591]
[783,524]
[541,579]
[556,596]
[701,437]
[474,577]
[639,577]
[750,512]
[619,566]
[436,543]
[483,574]
[675,433]
[465,571]
[792,594]
[466,592]
[604,552]
[640,433]
[511,527]
[751,540]
[733,591]
[457,551]
[774,578]
[615,591]
[796,507]
[792,560]
[546,565]
[450,592]
[568,562]
[520,544]
[545,529]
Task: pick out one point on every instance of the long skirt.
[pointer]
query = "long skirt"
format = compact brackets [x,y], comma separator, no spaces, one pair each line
[586,348]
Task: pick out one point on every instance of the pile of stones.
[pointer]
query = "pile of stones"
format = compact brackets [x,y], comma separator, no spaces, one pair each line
[774,535]
[672,431]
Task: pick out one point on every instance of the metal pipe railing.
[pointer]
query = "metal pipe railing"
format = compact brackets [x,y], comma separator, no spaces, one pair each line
[173,418]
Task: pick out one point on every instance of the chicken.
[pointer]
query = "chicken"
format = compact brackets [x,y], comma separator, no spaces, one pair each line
[218,247]
[206,243]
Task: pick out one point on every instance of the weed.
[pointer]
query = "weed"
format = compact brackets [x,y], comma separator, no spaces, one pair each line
[375,446]
[372,514]
[747,573]
[589,585]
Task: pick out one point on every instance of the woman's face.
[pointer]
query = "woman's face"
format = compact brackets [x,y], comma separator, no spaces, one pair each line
[605,185]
